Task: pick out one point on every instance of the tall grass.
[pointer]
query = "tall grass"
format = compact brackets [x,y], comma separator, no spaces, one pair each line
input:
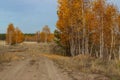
[8,57]
[90,65]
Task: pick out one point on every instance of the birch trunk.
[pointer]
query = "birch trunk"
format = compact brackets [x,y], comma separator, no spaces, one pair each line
[101,39]
[83,38]
[112,42]
[119,52]
[72,47]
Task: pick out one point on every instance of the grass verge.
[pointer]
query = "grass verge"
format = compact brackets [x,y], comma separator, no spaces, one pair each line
[89,65]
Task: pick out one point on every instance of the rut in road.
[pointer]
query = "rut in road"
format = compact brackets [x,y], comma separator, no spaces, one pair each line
[32,69]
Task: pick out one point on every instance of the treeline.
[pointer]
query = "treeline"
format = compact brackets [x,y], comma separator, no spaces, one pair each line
[89,27]
[30,37]
[14,35]
[44,36]
[2,36]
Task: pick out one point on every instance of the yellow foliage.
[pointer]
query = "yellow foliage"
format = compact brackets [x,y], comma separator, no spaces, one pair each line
[13,35]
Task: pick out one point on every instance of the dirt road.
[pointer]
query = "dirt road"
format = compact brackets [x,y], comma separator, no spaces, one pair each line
[28,62]
[32,68]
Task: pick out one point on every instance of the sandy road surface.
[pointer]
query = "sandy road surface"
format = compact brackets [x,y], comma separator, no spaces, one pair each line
[29,64]
[32,68]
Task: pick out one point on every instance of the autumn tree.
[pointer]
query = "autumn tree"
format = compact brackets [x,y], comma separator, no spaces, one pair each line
[71,23]
[10,36]
[63,24]
[42,37]
[118,34]
[19,35]
[14,35]
[45,34]
[106,16]
[51,37]
[84,26]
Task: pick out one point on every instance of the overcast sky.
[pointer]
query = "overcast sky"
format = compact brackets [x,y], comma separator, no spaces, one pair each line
[30,15]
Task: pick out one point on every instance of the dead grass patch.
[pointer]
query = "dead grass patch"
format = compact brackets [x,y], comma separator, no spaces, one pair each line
[87,64]
[7,57]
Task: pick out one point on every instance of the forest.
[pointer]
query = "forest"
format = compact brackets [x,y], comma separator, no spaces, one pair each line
[89,27]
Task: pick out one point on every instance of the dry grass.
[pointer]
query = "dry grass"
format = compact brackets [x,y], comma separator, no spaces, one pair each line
[2,42]
[87,64]
[54,57]
[7,57]
[10,53]
[81,63]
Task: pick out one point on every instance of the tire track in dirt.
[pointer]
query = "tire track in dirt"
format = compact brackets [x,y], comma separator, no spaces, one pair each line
[32,69]
[53,72]
[11,71]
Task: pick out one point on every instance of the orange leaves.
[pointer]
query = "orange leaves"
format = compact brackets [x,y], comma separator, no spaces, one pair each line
[89,19]
[19,36]
[99,6]
[111,10]
[42,37]
[10,39]
[83,23]
[51,37]
[45,35]
[14,35]
[118,20]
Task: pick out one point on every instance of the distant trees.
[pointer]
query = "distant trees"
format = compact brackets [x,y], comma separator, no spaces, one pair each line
[89,27]
[10,36]
[44,36]
[46,31]
[30,37]
[14,35]
[51,37]
[19,35]
[2,36]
